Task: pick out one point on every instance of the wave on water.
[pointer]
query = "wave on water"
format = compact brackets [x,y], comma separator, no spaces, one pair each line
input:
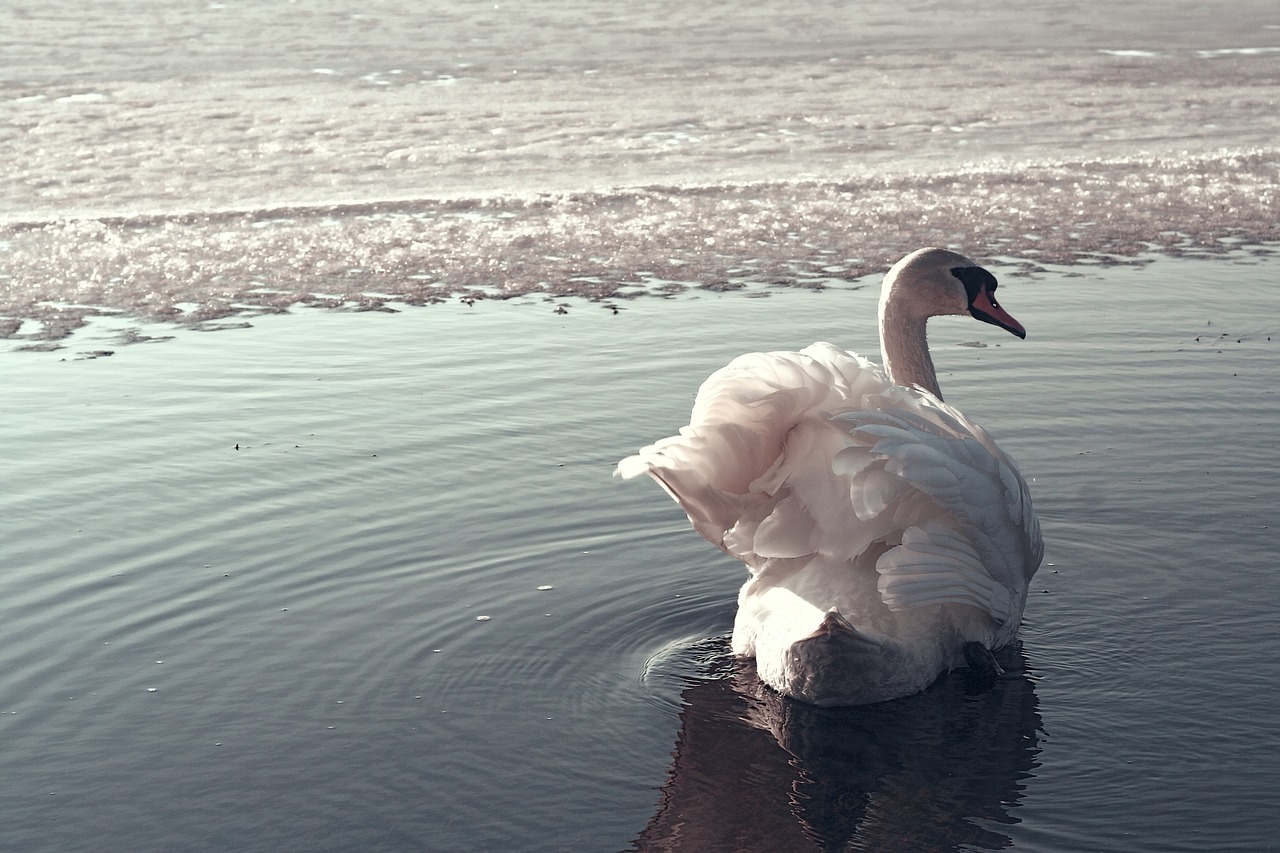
[198,163]
[191,268]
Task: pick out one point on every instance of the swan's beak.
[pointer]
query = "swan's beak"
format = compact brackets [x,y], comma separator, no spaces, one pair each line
[984,307]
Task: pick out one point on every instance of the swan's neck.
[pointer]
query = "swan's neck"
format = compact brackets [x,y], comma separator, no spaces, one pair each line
[905,348]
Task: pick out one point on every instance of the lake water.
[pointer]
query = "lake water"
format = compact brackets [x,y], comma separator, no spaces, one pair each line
[281,578]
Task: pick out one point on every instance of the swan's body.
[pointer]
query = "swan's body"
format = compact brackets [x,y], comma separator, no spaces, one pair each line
[884,531]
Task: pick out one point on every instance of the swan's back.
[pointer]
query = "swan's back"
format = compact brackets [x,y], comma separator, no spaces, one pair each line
[883,530]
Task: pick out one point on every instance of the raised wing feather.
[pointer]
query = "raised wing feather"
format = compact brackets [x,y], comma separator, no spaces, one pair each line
[983,543]
[789,456]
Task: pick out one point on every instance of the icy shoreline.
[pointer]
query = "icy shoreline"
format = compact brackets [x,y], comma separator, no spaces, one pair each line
[190,268]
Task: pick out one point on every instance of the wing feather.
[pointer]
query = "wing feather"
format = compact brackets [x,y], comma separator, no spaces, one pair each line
[791,456]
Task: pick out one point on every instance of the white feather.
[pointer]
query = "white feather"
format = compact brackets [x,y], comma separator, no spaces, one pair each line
[882,528]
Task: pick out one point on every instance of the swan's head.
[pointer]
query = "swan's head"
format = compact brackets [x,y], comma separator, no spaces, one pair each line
[933,281]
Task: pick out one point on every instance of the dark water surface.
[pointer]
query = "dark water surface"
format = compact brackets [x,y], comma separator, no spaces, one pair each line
[281,646]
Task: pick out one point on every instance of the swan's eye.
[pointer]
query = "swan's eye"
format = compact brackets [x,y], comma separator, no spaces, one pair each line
[977,281]
[991,294]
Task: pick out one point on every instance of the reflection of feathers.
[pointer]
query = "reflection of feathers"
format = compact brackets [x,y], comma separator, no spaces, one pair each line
[754,772]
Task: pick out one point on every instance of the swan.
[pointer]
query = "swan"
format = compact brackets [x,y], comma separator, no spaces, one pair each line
[888,539]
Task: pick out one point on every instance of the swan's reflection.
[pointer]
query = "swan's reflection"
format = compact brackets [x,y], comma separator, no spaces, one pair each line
[938,771]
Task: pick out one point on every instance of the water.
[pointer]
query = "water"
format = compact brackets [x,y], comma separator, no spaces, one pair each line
[306,606]
[188,161]
[246,553]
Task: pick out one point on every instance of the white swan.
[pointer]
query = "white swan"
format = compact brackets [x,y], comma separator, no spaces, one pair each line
[888,538]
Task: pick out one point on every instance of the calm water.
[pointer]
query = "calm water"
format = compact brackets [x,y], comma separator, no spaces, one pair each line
[281,646]
[323,580]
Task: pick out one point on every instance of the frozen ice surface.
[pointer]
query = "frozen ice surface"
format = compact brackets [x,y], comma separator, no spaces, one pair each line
[195,162]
